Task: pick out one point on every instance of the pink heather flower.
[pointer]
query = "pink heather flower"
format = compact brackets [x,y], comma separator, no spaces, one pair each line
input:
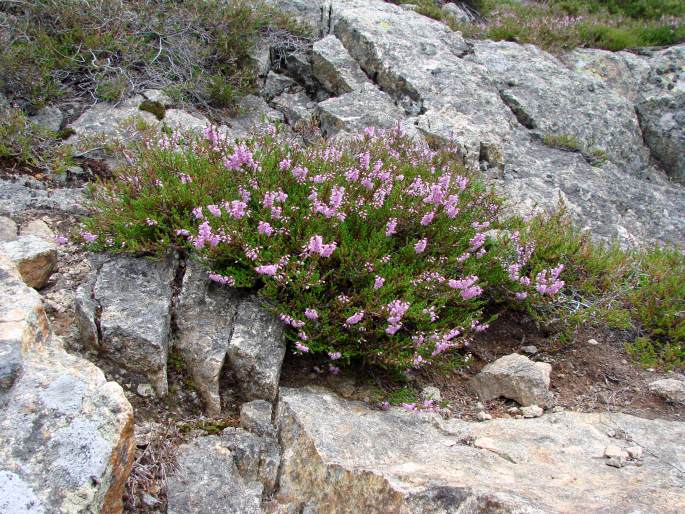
[316,245]
[300,173]
[182,232]
[378,283]
[364,160]
[302,336]
[426,220]
[471,292]
[241,156]
[284,164]
[301,347]
[236,208]
[333,369]
[352,175]
[245,195]
[477,241]
[269,269]
[265,228]
[547,281]
[421,245]
[521,296]
[214,210]
[88,236]
[384,405]
[151,222]
[334,356]
[221,279]
[197,212]
[463,283]
[419,361]
[311,314]
[185,179]
[393,329]
[61,240]
[396,309]
[391,227]
[355,318]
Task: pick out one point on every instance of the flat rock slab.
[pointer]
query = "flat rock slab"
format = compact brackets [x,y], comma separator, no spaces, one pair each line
[335,68]
[342,456]
[669,388]
[66,434]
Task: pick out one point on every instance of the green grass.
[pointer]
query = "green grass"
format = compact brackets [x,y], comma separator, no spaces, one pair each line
[563,24]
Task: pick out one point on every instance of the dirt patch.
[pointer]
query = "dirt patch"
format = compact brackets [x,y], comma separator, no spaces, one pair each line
[585,377]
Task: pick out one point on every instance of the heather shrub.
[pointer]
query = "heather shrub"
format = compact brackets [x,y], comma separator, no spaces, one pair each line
[379,248]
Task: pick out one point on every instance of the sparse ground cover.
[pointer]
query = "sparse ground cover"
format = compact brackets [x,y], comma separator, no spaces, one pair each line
[563,24]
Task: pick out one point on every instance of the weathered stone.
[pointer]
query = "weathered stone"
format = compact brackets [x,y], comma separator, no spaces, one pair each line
[49,118]
[669,388]
[613,451]
[357,110]
[260,55]
[8,229]
[663,124]
[530,349]
[183,121]
[253,114]
[457,12]
[85,308]
[35,258]
[275,84]
[431,393]
[337,452]
[333,66]
[66,434]
[515,377]
[39,229]
[255,417]
[299,65]
[114,123]
[257,458]
[159,96]
[16,197]
[207,480]
[256,351]
[531,411]
[297,108]
[133,296]
[204,316]
[483,416]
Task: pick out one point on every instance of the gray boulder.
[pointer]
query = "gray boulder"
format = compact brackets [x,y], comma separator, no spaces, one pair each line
[38,228]
[351,112]
[66,434]
[133,299]
[275,84]
[338,452]
[204,317]
[515,377]
[333,66]
[208,480]
[669,388]
[17,197]
[256,351]
[256,457]
[297,108]
[49,118]
[35,258]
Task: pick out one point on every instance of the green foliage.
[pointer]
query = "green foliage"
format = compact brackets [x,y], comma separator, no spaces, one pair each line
[56,49]
[640,290]
[402,395]
[396,298]
[563,141]
[25,144]
[155,108]
[559,24]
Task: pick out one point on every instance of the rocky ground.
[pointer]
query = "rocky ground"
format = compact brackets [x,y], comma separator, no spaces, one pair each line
[128,377]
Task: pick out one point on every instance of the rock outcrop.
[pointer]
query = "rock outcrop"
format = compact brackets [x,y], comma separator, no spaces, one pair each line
[341,456]
[66,434]
[670,389]
[35,258]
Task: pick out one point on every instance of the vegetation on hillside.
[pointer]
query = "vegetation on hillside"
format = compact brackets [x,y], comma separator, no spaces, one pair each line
[563,24]
[198,51]
[381,249]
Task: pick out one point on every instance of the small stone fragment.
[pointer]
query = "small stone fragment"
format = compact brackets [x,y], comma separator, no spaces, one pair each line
[145,390]
[592,342]
[275,84]
[38,228]
[530,349]
[531,411]
[614,451]
[515,377]
[255,417]
[431,393]
[635,452]
[35,258]
[483,416]
[615,462]
[297,108]
[8,229]
[670,389]
[333,66]
[514,411]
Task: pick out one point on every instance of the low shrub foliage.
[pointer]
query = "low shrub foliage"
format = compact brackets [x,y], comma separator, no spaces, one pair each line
[379,248]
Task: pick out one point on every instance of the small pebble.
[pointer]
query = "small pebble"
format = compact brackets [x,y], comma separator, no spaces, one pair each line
[613,451]
[431,393]
[483,416]
[530,350]
[532,411]
[615,462]
[635,452]
[145,390]
[593,342]
[514,411]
